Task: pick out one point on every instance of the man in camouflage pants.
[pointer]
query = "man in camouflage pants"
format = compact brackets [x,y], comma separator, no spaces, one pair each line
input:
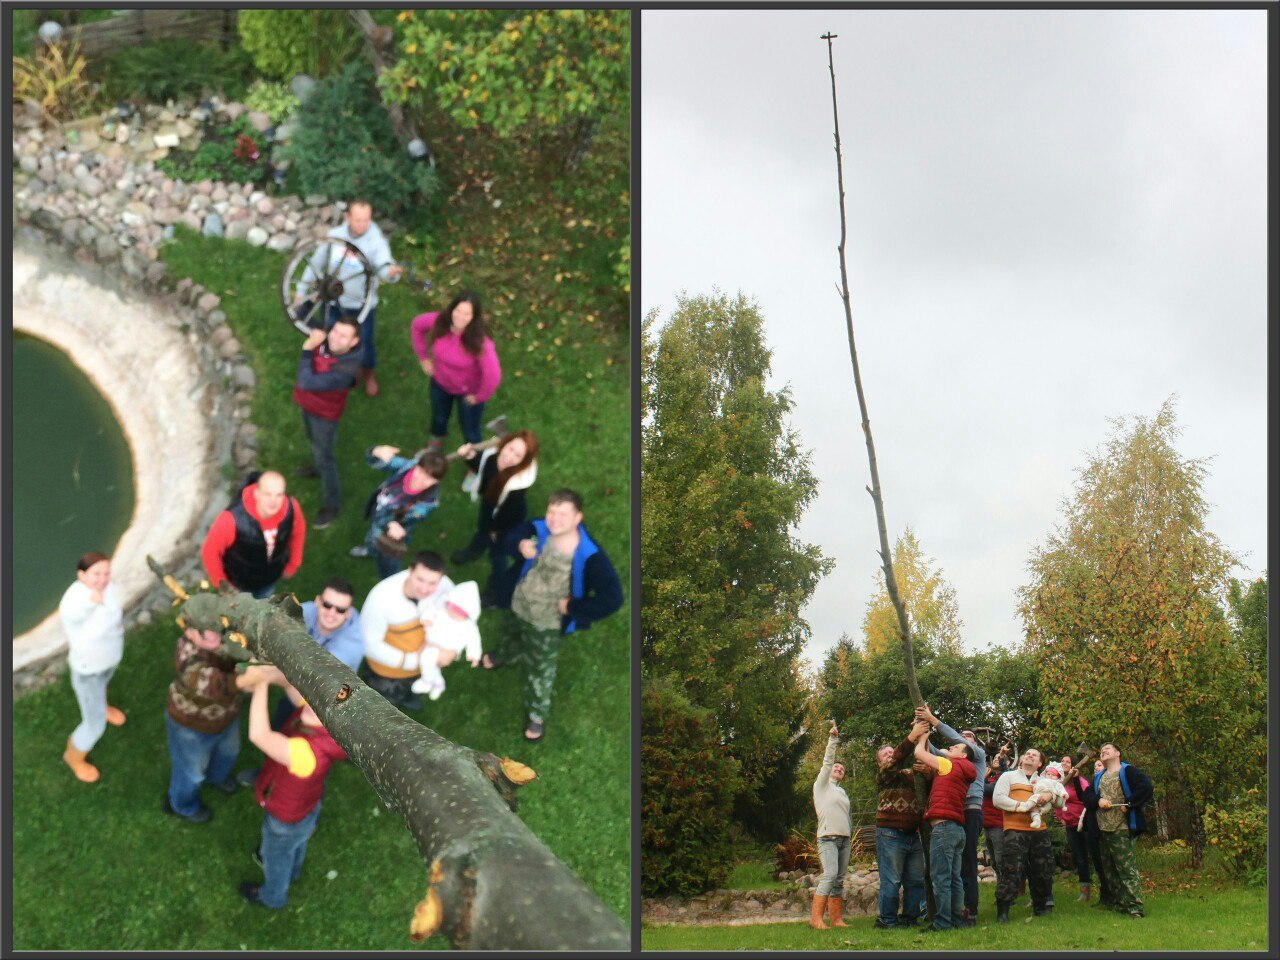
[1027,850]
[563,584]
[1120,791]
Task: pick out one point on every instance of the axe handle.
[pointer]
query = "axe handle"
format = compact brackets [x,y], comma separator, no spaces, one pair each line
[482,445]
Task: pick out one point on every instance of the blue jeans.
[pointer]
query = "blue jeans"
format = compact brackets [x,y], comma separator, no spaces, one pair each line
[91,694]
[195,758]
[833,853]
[322,434]
[387,565]
[900,862]
[946,851]
[283,847]
[369,357]
[469,414]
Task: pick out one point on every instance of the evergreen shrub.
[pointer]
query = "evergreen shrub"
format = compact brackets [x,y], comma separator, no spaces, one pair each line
[345,146]
[688,784]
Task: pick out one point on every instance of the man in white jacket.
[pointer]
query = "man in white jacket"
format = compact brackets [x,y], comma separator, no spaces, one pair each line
[393,624]
[360,230]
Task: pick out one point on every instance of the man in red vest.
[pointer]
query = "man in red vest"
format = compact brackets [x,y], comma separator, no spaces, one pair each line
[257,539]
[289,788]
[954,771]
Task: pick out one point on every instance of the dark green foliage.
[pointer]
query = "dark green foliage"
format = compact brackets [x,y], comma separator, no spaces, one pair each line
[287,42]
[689,781]
[1248,619]
[863,692]
[345,146]
[724,579]
[176,70]
[215,158]
[781,800]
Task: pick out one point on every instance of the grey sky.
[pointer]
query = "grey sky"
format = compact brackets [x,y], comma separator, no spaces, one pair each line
[1056,217]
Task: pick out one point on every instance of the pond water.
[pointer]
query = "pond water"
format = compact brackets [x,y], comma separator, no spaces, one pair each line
[72,477]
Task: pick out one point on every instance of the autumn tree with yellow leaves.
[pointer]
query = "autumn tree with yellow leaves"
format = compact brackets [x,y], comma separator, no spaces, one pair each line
[1124,618]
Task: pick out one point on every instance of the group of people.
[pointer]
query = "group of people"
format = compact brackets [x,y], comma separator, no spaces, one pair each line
[1010,802]
[549,573]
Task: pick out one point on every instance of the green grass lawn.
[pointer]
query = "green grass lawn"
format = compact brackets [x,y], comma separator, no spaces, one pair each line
[1185,910]
[100,867]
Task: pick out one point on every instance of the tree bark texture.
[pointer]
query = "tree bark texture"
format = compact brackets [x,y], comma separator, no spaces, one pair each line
[491,884]
[886,557]
[890,582]
[380,56]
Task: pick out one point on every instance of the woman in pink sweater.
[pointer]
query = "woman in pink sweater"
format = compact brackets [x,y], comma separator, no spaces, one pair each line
[455,351]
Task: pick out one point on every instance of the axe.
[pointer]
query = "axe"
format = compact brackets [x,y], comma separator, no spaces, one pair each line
[497,426]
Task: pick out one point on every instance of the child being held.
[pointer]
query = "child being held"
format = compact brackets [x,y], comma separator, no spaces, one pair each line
[1050,782]
[450,623]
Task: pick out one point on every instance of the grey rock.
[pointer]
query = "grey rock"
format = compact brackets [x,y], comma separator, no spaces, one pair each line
[219,194]
[143,618]
[92,186]
[219,336]
[257,236]
[233,110]
[155,271]
[71,229]
[165,215]
[47,174]
[264,206]
[134,263]
[192,220]
[80,171]
[281,243]
[237,229]
[46,219]
[28,164]
[204,187]
[258,120]
[87,235]
[208,302]
[217,319]
[212,226]
[229,348]
[243,377]
[106,248]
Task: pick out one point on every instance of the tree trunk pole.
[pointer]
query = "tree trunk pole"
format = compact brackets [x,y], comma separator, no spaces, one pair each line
[378,46]
[491,884]
[886,557]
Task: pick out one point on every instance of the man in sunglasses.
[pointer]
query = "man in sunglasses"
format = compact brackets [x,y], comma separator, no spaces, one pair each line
[333,621]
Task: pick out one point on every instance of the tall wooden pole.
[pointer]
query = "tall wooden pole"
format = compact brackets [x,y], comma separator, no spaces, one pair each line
[890,581]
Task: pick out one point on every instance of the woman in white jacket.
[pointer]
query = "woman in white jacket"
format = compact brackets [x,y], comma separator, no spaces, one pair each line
[94,625]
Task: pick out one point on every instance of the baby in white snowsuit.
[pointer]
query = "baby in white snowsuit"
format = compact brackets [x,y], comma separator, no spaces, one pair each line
[1050,781]
[451,625]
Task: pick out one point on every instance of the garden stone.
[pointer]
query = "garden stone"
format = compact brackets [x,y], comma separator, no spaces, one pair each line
[212,226]
[254,195]
[158,154]
[71,229]
[184,129]
[216,318]
[165,215]
[190,219]
[278,222]
[92,186]
[281,243]
[87,235]
[89,141]
[219,336]
[155,271]
[80,171]
[47,174]
[134,263]
[257,236]
[237,229]
[243,376]
[29,164]
[264,206]
[167,138]
[229,348]
[219,194]
[233,110]
[205,187]
[122,133]
[208,302]
[258,120]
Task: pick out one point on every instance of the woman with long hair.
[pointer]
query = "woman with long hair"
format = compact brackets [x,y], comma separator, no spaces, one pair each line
[456,352]
[94,624]
[498,479]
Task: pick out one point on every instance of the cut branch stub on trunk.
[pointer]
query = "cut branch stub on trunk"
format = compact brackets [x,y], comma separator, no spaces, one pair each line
[491,884]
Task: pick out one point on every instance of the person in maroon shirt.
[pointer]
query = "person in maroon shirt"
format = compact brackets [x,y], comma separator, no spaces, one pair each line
[954,771]
[289,788]
[327,370]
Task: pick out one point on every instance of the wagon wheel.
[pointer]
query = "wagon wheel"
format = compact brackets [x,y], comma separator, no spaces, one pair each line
[321,272]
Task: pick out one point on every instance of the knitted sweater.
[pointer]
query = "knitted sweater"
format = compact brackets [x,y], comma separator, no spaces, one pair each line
[203,696]
[829,799]
[896,803]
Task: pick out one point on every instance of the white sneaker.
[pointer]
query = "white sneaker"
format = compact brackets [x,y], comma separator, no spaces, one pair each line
[434,692]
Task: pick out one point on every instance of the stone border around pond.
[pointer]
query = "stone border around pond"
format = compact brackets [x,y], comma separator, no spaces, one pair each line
[182,345]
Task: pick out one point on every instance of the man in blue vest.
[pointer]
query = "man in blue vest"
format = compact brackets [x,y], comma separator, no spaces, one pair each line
[564,584]
[1120,791]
